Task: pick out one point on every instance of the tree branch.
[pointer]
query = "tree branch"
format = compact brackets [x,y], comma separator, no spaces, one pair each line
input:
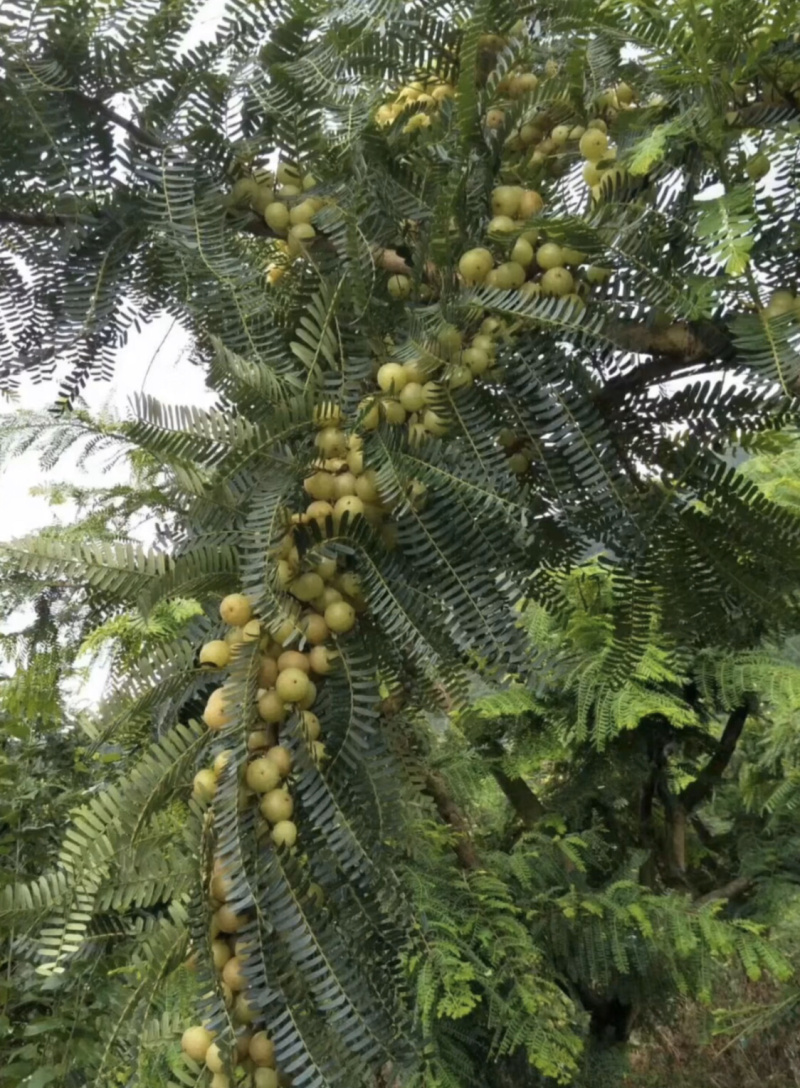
[141,135]
[523,800]
[734,888]
[452,815]
[28,219]
[711,775]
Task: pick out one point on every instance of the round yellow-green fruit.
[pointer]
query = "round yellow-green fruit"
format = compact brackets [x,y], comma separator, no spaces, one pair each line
[340,617]
[216,653]
[204,785]
[549,256]
[262,1049]
[557,281]
[277,805]
[292,685]
[262,775]
[284,833]
[476,264]
[235,609]
[593,144]
[195,1042]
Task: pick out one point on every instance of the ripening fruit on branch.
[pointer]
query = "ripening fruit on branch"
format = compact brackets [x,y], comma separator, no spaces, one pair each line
[262,775]
[216,653]
[549,256]
[340,617]
[593,144]
[265,1077]
[392,377]
[282,758]
[284,833]
[204,786]
[233,974]
[506,200]
[271,708]
[235,610]
[214,1060]
[780,303]
[501,224]
[292,685]
[262,1049]
[307,586]
[399,286]
[220,954]
[311,725]
[276,216]
[277,805]
[557,281]
[216,714]
[195,1042]
[293,659]
[475,265]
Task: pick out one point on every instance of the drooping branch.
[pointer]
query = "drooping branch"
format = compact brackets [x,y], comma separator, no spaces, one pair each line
[711,775]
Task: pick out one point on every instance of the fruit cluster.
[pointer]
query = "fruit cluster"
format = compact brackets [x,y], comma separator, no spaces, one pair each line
[421,98]
[256,1049]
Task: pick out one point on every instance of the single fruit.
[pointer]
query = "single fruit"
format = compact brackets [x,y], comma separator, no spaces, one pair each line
[271,707]
[350,505]
[598,124]
[262,1049]
[522,253]
[299,235]
[276,216]
[411,397]
[204,786]
[435,423]
[780,303]
[318,510]
[393,411]
[235,609]
[284,833]
[195,1043]
[221,761]
[277,805]
[292,684]
[216,714]
[251,631]
[220,954]
[303,212]
[593,144]
[505,200]
[367,483]
[310,696]
[501,224]
[392,377]
[257,739]
[265,1077]
[243,1011]
[311,725]
[282,758]
[549,256]
[340,617]
[509,275]
[214,1060]
[315,629]
[450,340]
[320,660]
[332,442]
[475,265]
[595,274]
[557,281]
[293,659]
[228,920]
[262,775]
[307,586]
[477,360]
[495,119]
[560,135]
[320,486]
[233,975]
[399,286]
[216,653]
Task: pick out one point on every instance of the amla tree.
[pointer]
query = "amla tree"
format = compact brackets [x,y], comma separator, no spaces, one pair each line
[438,262]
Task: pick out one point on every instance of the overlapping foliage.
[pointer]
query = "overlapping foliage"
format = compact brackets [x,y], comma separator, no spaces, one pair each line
[437,914]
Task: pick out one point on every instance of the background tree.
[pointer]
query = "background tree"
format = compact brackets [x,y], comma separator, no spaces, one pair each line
[438,263]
